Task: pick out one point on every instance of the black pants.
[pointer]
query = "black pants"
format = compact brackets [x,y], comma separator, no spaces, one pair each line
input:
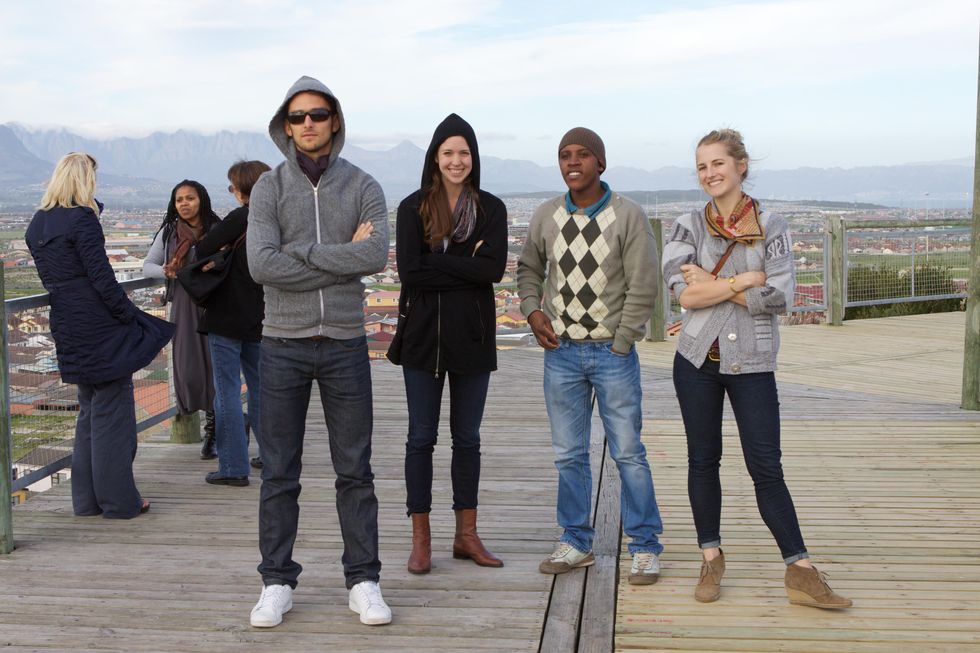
[467,398]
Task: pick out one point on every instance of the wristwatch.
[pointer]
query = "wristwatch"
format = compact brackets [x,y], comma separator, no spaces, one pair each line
[731,284]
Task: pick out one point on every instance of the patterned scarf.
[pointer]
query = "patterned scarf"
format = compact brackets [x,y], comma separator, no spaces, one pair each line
[742,225]
[186,236]
[464,219]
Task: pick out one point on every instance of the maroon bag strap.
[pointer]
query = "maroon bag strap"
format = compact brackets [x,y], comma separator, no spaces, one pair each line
[724,257]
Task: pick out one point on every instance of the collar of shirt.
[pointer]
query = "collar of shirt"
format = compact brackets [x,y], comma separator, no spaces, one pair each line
[590,211]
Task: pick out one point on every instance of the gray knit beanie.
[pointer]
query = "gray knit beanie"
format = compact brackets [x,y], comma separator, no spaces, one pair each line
[587,139]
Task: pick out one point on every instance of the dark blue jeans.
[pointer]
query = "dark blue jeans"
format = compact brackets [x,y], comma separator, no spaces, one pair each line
[467,398]
[105,446]
[342,371]
[755,402]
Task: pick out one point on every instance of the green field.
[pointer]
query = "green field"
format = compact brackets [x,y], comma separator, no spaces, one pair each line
[33,431]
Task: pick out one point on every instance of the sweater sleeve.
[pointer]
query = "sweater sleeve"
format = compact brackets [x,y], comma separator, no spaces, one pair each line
[267,263]
[532,264]
[642,271]
[90,245]
[353,259]
[680,249]
[153,263]
[488,263]
[776,296]
[414,267]
[224,233]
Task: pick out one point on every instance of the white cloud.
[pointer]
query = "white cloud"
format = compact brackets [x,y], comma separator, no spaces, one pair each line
[398,67]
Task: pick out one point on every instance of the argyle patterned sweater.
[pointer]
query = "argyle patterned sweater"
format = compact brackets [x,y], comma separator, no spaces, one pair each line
[595,278]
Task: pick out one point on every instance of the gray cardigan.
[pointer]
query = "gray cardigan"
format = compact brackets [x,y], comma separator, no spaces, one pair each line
[748,336]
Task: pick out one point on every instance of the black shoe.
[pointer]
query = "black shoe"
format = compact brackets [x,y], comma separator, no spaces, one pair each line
[256,462]
[208,450]
[214,478]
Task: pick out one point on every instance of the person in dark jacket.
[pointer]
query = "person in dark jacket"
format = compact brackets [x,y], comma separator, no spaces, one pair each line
[233,322]
[189,217]
[101,339]
[451,248]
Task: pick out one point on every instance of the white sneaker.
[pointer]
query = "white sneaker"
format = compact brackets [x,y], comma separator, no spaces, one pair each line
[565,558]
[365,600]
[645,569]
[276,600]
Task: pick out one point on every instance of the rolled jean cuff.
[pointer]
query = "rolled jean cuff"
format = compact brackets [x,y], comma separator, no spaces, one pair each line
[796,556]
[714,544]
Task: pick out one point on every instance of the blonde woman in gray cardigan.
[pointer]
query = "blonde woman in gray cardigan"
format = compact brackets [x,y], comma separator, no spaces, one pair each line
[730,266]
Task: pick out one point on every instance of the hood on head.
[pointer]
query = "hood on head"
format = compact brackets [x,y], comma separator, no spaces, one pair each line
[453,125]
[277,126]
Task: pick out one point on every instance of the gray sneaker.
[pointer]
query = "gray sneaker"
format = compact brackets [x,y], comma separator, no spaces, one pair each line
[645,569]
[565,558]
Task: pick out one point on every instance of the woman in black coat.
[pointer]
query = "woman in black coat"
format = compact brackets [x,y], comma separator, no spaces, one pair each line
[451,249]
[233,322]
[100,336]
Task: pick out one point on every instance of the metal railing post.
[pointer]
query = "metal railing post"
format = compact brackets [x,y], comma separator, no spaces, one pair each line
[837,287]
[658,321]
[6,455]
[971,342]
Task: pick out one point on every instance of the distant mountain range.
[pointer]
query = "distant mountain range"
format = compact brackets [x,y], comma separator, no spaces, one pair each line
[139,172]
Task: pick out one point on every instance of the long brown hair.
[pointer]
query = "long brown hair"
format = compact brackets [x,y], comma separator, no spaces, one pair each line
[437,216]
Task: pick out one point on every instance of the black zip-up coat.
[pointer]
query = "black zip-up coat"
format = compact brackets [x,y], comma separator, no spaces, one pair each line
[235,309]
[447,317]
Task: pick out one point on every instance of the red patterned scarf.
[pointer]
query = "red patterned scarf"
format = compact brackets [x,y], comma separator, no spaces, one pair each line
[186,236]
[742,225]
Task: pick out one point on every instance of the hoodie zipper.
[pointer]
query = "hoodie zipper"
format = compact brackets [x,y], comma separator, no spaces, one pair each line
[316,211]
[438,329]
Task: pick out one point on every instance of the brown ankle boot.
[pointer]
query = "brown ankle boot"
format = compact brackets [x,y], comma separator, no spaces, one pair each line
[467,543]
[709,584]
[807,586]
[420,561]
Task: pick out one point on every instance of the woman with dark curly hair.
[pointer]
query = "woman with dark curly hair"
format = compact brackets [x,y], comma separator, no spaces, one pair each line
[189,216]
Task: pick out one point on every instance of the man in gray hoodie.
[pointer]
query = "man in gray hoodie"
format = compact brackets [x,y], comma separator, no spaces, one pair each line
[316,225]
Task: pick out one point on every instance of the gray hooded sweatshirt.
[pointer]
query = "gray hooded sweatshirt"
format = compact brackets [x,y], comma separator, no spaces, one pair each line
[299,237]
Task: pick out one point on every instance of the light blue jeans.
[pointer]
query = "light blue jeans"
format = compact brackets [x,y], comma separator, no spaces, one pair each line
[229,359]
[571,374]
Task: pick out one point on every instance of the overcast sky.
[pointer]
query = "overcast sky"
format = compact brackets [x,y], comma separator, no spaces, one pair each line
[808,82]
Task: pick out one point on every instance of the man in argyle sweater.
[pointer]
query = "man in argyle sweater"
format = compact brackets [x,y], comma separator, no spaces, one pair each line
[588,279]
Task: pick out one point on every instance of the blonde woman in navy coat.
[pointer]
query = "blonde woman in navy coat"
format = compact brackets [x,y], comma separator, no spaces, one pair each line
[100,336]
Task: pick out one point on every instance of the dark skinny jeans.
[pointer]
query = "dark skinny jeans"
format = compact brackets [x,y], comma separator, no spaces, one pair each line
[755,402]
[467,398]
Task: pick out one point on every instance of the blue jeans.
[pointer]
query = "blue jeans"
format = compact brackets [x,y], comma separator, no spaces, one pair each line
[571,374]
[467,398]
[105,446]
[342,371]
[755,402]
[229,358]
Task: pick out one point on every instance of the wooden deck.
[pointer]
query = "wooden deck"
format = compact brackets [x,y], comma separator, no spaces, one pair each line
[883,467]
[885,473]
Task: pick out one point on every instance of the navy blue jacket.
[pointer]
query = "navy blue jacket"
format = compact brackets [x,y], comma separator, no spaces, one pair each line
[99,333]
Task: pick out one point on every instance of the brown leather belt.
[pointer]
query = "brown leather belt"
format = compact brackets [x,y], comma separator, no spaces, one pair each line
[714,352]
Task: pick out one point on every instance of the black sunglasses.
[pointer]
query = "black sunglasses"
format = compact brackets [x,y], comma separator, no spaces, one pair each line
[316,115]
